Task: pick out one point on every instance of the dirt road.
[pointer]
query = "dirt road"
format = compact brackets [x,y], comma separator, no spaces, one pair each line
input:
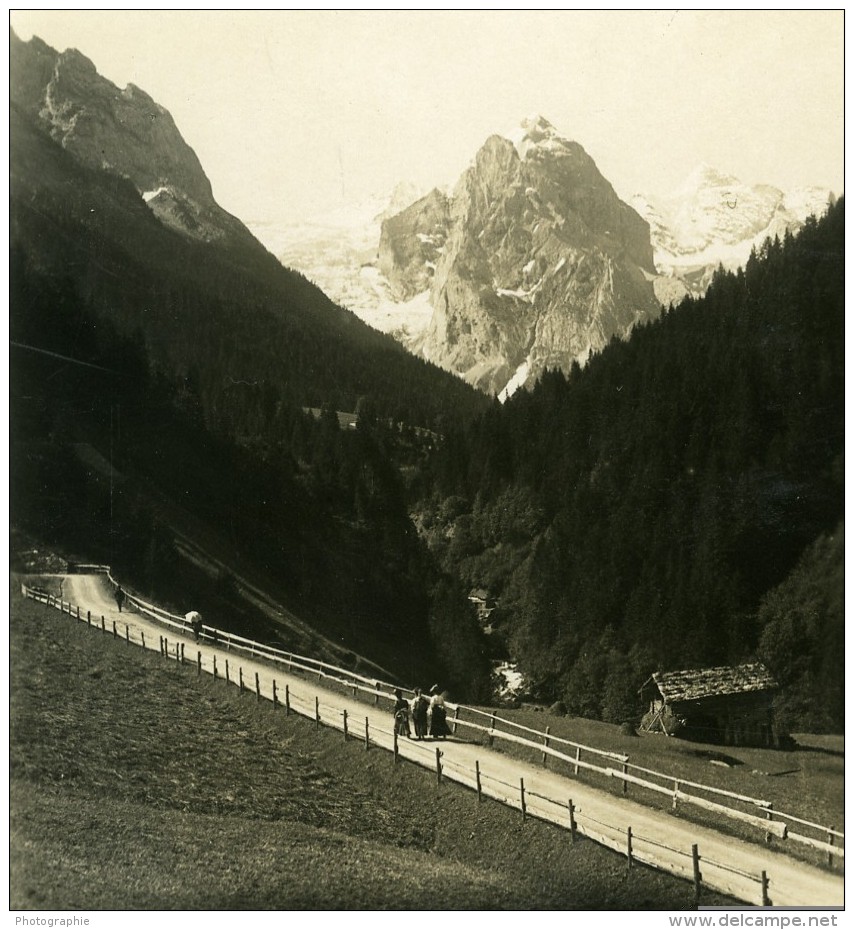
[727,864]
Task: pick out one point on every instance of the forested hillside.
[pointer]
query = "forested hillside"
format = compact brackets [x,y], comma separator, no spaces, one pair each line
[187,365]
[633,515]
[227,317]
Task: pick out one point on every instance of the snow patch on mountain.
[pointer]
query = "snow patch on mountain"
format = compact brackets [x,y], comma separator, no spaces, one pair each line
[535,135]
[520,376]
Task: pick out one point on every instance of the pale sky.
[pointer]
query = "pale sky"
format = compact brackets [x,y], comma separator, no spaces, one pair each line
[296,112]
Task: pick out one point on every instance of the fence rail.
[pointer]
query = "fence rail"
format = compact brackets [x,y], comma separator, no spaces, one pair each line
[777,827]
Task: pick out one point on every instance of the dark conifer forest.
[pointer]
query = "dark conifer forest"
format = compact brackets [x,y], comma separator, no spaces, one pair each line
[653,510]
[676,503]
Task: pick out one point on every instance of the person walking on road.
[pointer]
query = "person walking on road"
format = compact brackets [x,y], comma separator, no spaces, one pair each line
[194,618]
[120,597]
[401,715]
[438,724]
[420,706]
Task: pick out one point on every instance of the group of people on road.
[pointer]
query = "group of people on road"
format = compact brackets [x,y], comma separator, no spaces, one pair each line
[429,717]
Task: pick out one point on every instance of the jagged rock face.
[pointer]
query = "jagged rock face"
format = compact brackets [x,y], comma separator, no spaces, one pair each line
[714,219]
[123,131]
[411,243]
[542,263]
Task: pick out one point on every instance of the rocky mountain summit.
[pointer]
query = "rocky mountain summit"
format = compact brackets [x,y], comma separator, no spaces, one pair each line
[123,131]
[533,262]
[714,219]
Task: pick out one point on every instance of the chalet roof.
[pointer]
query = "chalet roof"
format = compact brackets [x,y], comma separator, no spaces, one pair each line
[695,684]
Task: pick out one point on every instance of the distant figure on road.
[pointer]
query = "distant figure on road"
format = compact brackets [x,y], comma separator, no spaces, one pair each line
[401,715]
[194,618]
[420,706]
[120,597]
[438,724]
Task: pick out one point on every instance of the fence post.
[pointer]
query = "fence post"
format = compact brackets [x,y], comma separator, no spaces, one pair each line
[830,830]
[227,673]
[629,848]
[199,660]
[89,618]
[78,611]
[103,624]
[522,798]
[214,666]
[577,757]
[165,642]
[698,876]
[182,653]
[491,727]
[766,901]
[345,724]
[367,736]
[142,634]
[394,748]
[768,812]
[160,640]
[275,695]
[675,793]
[546,744]
[240,670]
[127,634]
[438,766]
[316,712]
[377,695]
[625,783]
[477,779]
[287,700]
[178,653]
[456,718]
[572,824]
[257,687]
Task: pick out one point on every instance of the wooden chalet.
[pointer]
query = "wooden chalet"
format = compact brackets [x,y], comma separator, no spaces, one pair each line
[728,704]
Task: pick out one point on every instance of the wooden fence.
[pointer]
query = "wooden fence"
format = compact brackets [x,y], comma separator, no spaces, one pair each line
[609,764]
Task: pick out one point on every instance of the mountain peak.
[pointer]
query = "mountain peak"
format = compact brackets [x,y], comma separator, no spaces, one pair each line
[535,132]
[705,175]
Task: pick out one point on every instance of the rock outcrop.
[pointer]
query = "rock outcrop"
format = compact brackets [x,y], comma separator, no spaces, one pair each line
[411,244]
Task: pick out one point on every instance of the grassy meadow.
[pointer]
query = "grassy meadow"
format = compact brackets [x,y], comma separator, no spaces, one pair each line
[807,781]
[135,784]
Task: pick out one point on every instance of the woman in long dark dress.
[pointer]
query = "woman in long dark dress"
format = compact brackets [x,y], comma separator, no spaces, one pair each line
[420,706]
[438,723]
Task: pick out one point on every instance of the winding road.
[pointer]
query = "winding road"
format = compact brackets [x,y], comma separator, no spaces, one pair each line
[727,864]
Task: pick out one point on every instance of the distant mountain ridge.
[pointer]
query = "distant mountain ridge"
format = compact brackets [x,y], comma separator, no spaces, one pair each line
[714,219]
